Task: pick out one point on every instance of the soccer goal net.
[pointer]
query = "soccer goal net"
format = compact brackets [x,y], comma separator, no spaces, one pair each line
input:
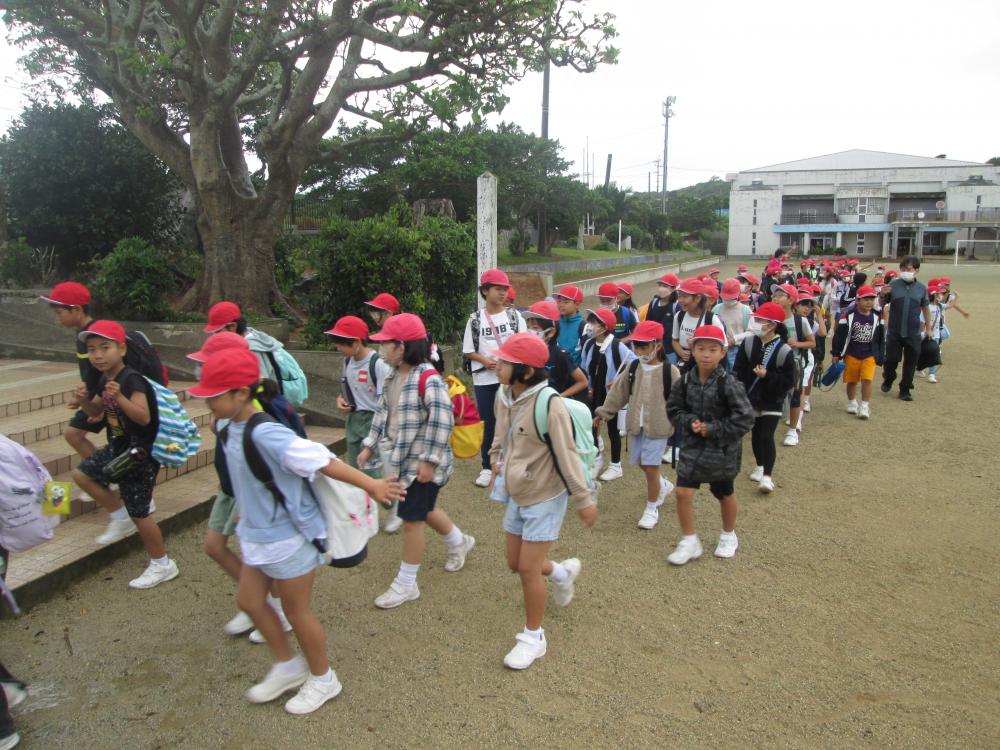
[977,250]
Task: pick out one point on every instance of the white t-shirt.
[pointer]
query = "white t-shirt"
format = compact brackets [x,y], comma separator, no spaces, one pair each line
[684,329]
[359,380]
[493,331]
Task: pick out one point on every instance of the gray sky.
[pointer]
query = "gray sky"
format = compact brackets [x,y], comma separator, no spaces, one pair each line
[762,83]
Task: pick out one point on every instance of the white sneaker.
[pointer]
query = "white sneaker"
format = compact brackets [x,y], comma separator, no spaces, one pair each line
[154,575]
[116,530]
[932,379]
[152,506]
[922,373]
[727,545]
[392,520]
[525,651]
[852,407]
[666,487]
[600,444]
[10,741]
[396,595]
[756,474]
[798,425]
[257,637]
[864,411]
[806,406]
[313,694]
[598,464]
[650,517]
[562,593]
[456,557]
[685,552]
[791,438]
[766,485]
[668,456]
[279,681]
[484,478]
[614,471]
[16,695]
[240,624]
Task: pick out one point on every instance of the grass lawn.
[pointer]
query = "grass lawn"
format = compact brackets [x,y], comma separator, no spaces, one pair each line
[560,254]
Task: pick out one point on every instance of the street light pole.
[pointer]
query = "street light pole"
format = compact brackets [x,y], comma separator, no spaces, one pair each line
[667,114]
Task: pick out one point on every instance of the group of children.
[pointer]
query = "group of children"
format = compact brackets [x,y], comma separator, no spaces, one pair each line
[685,377]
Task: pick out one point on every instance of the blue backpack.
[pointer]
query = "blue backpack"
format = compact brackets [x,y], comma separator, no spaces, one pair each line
[177,437]
[583,435]
[291,380]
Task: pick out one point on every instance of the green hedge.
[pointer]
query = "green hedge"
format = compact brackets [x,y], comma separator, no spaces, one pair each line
[133,282]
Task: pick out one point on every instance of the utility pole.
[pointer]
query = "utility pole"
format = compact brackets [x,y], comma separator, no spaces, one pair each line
[607,173]
[657,174]
[667,114]
[542,217]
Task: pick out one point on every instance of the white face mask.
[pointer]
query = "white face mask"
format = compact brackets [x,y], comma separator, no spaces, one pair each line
[755,327]
[539,334]
[648,359]
[907,276]
[594,331]
[730,302]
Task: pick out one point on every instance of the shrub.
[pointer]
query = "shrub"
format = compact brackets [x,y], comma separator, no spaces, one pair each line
[291,260]
[637,233]
[16,264]
[839,251]
[430,268]
[133,282]
[603,245]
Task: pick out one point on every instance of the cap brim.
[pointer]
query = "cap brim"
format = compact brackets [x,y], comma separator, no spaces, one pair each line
[720,342]
[537,316]
[380,337]
[84,335]
[343,334]
[213,329]
[198,357]
[377,307]
[201,392]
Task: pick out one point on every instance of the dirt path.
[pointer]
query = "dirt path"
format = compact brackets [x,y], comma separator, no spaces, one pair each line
[861,610]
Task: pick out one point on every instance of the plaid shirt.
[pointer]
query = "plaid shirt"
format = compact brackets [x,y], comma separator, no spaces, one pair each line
[424,427]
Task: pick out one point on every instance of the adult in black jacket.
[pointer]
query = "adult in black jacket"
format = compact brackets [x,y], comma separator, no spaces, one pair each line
[766,368]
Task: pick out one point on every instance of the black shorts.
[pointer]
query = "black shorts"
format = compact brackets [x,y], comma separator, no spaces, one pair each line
[136,489]
[81,421]
[722,488]
[421,497]
[795,399]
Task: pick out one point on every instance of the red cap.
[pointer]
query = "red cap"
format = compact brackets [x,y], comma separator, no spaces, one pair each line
[754,281]
[714,270]
[648,330]
[945,281]
[106,329]
[220,315]
[69,293]
[867,291]
[816,289]
[384,301]
[572,293]
[691,286]
[403,327]
[710,289]
[803,282]
[604,315]
[216,343]
[788,289]
[709,333]
[227,370]
[607,289]
[543,310]
[743,267]
[350,327]
[626,287]
[524,349]
[931,290]
[731,289]
[511,294]
[772,266]
[771,311]
[494,277]
[890,274]
[670,279]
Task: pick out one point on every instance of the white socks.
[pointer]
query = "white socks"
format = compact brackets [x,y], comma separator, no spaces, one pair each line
[652,506]
[535,635]
[407,575]
[290,667]
[559,574]
[162,561]
[690,538]
[119,515]
[728,534]
[276,604]
[453,538]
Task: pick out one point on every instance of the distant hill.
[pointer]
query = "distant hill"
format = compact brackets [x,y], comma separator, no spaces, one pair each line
[715,190]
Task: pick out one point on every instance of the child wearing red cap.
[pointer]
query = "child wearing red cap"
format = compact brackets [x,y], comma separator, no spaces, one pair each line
[939,332]
[625,317]
[805,307]
[129,407]
[538,487]
[695,311]
[860,341]
[382,307]
[735,316]
[568,379]
[711,409]
[411,432]
[797,334]
[485,332]
[281,527]
[662,308]
[603,359]
[643,388]
[571,323]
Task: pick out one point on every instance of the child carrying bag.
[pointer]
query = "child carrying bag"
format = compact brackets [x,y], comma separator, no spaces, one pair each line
[22,488]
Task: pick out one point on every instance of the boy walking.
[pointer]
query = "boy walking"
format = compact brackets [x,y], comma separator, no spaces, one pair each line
[712,410]
[860,341]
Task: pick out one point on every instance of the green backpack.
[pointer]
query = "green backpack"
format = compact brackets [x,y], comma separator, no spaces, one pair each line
[583,435]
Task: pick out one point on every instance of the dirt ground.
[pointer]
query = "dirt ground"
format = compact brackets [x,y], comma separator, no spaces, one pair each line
[861,610]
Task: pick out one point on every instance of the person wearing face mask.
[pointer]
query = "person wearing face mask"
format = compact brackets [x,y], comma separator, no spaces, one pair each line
[696,311]
[565,376]
[644,387]
[381,307]
[735,315]
[908,300]
[766,367]
[663,306]
[625,317]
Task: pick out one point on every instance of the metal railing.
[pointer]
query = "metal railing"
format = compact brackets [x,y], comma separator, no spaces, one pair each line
[923,215]
[808,218]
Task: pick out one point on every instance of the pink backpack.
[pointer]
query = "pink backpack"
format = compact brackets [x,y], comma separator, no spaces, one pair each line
[22,488]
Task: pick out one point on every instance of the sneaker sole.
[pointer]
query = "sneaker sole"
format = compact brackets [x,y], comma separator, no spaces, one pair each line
[10,742]
[650,527]
[330,697]
[392,529]
[690,559]
[154,585]
[116,538]
[520,668]
[400,604]
[277,692]
[725,557]
[472,544]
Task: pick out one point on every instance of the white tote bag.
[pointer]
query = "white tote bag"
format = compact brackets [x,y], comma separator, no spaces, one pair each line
[351,520]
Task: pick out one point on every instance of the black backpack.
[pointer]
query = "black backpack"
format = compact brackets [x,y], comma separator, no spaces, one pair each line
[666,378]
[476,320]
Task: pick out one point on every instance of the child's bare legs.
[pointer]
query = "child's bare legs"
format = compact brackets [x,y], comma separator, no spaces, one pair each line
[102,495]
[152,537]
[852,390]
[531,561]
[794,413]
[251,597]
[685,510]
[217,547]
[79,441]
[728,507]
[866,390]
[295,596]
[414,543]
[652,482]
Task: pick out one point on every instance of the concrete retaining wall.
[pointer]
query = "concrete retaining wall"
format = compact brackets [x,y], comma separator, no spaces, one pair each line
[589,287]
[614,260]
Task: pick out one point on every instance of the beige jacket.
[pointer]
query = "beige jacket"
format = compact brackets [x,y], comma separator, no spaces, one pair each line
[647,398]
[528,470]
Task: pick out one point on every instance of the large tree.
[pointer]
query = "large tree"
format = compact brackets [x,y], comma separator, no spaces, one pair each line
[203,82]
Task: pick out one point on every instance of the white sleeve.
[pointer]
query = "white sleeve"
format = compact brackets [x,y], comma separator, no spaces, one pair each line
[467,347]
[305,458]
[382,371]
[522,325]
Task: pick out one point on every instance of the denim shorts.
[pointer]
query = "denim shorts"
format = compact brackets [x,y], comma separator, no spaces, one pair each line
[305,559]
[536,523]
[647,451]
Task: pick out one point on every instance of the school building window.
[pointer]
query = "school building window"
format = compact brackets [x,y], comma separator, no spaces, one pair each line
[861,244]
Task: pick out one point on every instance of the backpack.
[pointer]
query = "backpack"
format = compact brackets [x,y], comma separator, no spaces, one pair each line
[292,382]
[22,487]
[476,320]
[583,435]
[467,434]
[348,510]
[588,350]
[782,349]
[707,317]
[345,388]
[666,378]
[141,356]
[177,437]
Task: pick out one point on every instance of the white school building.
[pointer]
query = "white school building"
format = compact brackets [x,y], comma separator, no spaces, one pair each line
[870,203]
